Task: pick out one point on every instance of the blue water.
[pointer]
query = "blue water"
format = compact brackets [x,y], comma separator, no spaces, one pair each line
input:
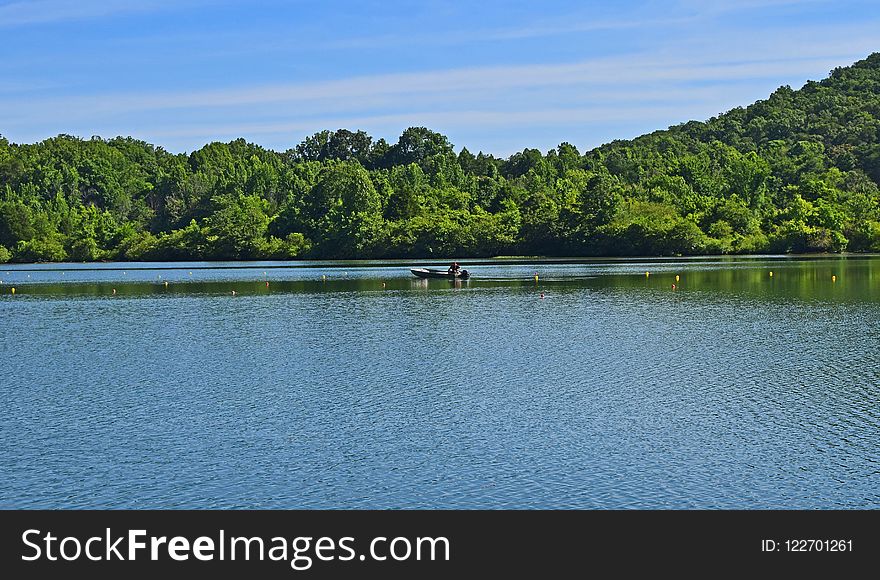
[357,386]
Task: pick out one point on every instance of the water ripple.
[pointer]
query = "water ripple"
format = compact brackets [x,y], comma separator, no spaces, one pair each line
[612,391]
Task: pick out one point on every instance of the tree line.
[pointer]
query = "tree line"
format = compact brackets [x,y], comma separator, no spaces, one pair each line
[797,172]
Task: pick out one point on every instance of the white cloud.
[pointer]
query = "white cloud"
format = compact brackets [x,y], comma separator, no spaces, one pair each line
[613,75]
[686,13]
[699,75]
[22,13]
[535,30]
[461,118]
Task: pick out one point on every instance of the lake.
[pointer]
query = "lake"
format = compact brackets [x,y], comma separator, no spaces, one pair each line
[356,385]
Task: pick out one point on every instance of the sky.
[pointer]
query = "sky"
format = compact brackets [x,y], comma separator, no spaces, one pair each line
[492,76]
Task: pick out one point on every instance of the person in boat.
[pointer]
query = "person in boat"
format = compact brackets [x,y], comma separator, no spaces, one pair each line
[454,268]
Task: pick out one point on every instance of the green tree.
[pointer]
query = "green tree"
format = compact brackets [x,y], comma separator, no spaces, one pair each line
[15,223]
[343,211]
[237,226]
[418,145]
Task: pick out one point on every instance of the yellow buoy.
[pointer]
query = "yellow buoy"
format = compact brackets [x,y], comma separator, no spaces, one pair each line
[13,290]
[676,277]
[647,274]
[771,274]
[834,278]
[536,276]
[324,277]
[166,283]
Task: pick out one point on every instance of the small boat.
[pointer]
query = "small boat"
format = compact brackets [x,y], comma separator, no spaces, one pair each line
[435,273]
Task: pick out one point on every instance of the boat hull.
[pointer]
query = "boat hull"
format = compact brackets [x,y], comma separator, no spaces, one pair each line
[432,273]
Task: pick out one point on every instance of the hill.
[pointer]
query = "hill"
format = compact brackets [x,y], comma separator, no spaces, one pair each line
[797,172]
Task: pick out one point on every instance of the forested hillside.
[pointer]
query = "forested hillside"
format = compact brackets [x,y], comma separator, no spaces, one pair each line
[798,172]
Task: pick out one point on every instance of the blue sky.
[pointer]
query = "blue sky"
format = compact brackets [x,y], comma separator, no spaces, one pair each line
[493,76]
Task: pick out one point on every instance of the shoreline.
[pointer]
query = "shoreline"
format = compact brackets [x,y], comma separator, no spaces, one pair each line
[379,263]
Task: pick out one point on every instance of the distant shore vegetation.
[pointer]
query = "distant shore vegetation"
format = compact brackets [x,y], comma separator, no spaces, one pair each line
[797,172]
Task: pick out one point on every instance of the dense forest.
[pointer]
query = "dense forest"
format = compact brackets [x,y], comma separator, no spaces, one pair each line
[798,172]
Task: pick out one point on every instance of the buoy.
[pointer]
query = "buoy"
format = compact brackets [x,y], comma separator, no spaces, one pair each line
[13,290]
[771,274]
[267,283]
[673,286]
[834,278]
[647,274]
[233,292]
[190,273]
[114,290]
[166,283]
[542,295]
[324,277]
[676,277]
[383,284]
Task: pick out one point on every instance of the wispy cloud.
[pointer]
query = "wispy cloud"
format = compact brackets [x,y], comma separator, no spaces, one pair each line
[717,7]
[648,85]
[10,87]
[688,13]
[22,13]
[458,84]
[461,118]
[535,30]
